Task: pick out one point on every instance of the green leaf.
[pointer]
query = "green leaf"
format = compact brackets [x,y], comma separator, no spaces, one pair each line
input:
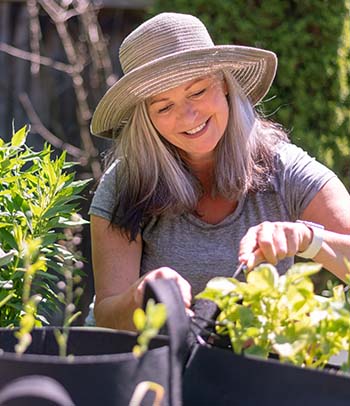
[159,316]
[139,319]
[72,318]
[246,316]
[19,138]
[6,299]
[303,270]
[223,285]
[265,277]
[257,351]
[6,257]
[289,350]
[7,237]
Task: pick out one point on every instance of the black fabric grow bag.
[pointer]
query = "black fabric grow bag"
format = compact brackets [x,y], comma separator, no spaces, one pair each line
[103,370]
[217,376]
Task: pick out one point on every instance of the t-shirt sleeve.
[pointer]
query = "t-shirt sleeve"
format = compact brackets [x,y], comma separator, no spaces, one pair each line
[298,178]
[104,198]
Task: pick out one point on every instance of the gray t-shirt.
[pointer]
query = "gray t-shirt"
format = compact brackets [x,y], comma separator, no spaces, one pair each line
[198,250]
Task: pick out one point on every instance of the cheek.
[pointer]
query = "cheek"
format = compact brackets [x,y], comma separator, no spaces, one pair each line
[162,125]
[223,109]
[159,125]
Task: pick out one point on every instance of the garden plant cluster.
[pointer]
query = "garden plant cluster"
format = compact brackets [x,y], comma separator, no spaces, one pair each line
[281,314]
[38,200]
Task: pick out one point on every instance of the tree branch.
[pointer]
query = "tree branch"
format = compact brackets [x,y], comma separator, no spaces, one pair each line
[35,58]
[39,127]
[35,32]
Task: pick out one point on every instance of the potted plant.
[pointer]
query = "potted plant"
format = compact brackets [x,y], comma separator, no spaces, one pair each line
[281,339]
[38,199]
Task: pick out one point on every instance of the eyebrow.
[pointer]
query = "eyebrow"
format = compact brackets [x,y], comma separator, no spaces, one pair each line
[186,88]
[194,82]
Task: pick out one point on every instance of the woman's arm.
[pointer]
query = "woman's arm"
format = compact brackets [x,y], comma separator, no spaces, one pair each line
[116,265]
[331,208]
[273,241]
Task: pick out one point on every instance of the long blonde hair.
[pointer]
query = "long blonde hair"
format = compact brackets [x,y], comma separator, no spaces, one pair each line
[153,179]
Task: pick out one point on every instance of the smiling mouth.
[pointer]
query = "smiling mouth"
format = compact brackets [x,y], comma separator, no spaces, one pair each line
[197,129]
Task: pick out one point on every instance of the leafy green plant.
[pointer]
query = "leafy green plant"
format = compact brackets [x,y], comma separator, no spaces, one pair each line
[68,296]
[32,262]
[38,200]
[281,314]
[148,322]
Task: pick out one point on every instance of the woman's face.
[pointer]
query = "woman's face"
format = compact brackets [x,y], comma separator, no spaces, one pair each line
[192,116]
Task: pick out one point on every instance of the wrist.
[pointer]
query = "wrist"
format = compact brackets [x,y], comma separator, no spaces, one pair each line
[314,243]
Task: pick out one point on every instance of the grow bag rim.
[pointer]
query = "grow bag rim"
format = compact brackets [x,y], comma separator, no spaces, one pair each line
[76,359]
[329,369]
[80,359]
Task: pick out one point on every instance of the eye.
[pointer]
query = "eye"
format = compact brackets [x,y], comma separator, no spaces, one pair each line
[199,93]
[164,109]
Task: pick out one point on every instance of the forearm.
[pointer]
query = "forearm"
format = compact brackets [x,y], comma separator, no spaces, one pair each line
[335,248]
[116,311]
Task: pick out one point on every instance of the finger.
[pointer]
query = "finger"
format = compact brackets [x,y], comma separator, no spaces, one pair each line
[266,242]
[168,273]
[248,244]
[255,258]
[186,292]
[280,241]
[291,241]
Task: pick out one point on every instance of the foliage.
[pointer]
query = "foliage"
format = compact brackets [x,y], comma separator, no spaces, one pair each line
[311,92]
[38,199]
[32,263]
[68,296]
[281,314]
[148,323]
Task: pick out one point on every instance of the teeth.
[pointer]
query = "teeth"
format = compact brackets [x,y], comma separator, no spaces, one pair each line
[197,129]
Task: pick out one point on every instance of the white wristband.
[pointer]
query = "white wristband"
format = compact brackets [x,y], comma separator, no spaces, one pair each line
[316,242]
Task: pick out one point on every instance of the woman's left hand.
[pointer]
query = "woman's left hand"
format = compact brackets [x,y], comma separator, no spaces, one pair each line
[273,241]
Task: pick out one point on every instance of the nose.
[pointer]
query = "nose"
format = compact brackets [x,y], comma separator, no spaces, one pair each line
[187,112]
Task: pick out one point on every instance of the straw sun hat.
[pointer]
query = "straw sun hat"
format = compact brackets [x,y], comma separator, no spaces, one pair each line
[168,50]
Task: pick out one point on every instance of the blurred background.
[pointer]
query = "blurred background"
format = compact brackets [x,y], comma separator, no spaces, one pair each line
[58,57]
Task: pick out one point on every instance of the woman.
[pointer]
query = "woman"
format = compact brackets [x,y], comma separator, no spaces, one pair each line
[199,182]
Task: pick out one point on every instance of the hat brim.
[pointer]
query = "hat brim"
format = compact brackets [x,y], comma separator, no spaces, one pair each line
[253,68]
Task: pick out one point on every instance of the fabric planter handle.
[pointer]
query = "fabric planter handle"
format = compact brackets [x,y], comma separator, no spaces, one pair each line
[103,368]
[166,291]
[39,389]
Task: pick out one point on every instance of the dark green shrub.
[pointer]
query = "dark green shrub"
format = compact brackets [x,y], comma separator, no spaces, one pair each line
[38,199]
[311,92]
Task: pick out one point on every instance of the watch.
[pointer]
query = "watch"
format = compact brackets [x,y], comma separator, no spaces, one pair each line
[316,242]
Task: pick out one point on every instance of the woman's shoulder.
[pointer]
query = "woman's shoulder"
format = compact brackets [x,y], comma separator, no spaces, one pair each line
[104,196]
[286,152]
[292,159]
[297,177]
[111,169]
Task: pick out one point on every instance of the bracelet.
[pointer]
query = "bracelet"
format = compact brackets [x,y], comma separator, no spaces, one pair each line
[316,242]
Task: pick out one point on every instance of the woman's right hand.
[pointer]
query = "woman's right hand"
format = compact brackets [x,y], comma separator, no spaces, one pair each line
[116,264]
[164,273]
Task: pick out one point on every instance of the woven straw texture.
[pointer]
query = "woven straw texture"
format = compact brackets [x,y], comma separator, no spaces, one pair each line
[168,50]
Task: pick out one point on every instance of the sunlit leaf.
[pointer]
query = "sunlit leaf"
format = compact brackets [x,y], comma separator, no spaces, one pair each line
[19,138]
[264,277]
[224,285]
[139,319]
